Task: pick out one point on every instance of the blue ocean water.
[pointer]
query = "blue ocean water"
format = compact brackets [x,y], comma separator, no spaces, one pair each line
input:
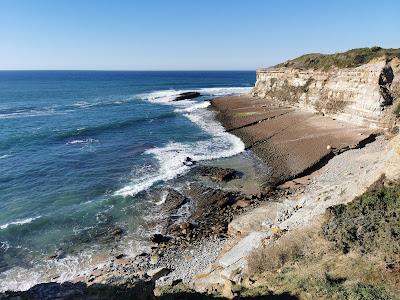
[78,147]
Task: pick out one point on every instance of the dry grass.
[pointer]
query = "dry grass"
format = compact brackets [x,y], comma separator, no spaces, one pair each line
[305,264]
[277,252]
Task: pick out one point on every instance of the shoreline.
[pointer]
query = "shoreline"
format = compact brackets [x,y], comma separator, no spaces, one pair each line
[51,263]
[193,247]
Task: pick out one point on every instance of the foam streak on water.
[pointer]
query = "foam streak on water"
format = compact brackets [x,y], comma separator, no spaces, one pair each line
[19,222]
[170,158]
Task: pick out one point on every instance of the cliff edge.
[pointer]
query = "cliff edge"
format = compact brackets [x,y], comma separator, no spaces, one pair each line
[358,86]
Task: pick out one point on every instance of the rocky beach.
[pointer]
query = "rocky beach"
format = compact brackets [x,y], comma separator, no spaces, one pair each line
[314,138]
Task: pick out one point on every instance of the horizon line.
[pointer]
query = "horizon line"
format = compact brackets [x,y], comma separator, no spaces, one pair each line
[127,70]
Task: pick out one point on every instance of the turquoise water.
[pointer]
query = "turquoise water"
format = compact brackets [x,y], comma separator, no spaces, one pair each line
[78,149]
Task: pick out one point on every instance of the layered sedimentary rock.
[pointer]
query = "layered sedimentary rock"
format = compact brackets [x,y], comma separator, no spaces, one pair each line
[363,95]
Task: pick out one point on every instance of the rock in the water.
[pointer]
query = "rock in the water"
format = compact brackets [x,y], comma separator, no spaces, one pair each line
[189,162]
[117,231]
[58,255]
[173,201]
[217,173]
[206,199]
[187,95]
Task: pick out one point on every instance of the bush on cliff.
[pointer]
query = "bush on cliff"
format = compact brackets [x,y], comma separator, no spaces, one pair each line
[349,59]
[355,255]
[369,224]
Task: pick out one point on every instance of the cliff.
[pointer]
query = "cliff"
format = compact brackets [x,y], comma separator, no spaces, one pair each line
[359,86]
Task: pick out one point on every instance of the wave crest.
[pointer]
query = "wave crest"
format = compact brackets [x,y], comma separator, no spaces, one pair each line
[19,222]
[170,158]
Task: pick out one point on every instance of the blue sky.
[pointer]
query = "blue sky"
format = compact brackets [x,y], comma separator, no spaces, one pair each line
[186,34]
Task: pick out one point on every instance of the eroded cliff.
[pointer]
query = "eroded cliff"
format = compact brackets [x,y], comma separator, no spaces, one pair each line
[362,95]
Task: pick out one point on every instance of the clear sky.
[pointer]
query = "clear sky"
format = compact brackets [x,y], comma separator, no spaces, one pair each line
[186,34]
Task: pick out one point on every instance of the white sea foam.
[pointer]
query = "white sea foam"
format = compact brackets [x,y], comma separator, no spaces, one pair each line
[4,246]
[32,113]
[5,156]
[165,96]
[85,141]
[20,279]
[170,158]
[65,269]
[19,222]
[84,104]
[163,198]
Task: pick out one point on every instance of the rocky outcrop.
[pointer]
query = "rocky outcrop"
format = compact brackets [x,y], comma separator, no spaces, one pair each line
[217,173]
[345,177]
[362,95]
[187,95]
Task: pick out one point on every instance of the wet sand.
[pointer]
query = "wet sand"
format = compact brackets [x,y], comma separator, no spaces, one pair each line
[290,141]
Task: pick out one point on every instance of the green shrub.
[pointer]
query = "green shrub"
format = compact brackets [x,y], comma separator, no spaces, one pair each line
[369,224]
[369,292]
[349,59]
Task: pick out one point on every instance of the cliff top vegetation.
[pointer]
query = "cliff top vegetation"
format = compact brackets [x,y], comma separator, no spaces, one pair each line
[349,59]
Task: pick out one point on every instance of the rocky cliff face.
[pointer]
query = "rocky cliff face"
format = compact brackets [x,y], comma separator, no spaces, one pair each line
[362,95]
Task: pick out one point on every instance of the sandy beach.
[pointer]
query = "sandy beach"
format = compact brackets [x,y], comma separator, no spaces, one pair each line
[291,142]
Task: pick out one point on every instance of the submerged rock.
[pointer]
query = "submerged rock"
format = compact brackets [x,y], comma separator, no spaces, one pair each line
[173,201]
[187,95]
[218,174]
[59,254]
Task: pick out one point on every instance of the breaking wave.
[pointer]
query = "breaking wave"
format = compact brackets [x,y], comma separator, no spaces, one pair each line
[170,158]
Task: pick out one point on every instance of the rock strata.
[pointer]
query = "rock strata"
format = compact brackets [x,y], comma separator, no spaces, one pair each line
[358,95]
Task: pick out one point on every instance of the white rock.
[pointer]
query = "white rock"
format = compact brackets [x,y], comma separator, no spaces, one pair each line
[158,273]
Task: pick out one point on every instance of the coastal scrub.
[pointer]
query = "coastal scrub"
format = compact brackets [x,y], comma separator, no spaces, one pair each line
[349,59]
[352,254]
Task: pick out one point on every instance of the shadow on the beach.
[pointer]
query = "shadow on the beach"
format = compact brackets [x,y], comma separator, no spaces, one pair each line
[139,291]
[197,296]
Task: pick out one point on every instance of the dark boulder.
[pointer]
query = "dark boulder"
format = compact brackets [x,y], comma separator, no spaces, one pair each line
[208,199]
[159,238]
[189,162]
[217,173]
[187,95]
[173,201]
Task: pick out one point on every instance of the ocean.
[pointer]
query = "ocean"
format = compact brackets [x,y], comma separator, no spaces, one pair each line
[79,150]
